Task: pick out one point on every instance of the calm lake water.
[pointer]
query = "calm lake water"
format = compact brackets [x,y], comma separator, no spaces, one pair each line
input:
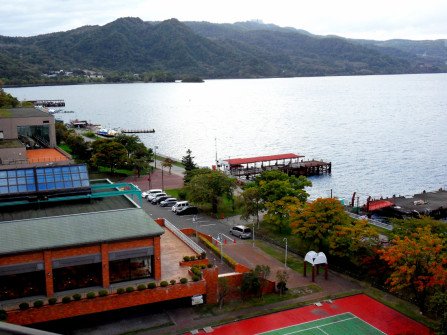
[384,135]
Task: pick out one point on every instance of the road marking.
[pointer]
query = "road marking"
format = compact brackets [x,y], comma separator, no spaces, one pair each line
[205,225]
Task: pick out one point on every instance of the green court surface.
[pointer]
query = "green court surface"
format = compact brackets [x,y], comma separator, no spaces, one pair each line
[342,324]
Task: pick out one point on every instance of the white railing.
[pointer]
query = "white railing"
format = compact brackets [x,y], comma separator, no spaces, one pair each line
[183,237]
[371,221]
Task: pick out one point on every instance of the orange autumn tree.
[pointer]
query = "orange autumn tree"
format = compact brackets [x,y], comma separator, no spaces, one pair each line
[418,264]
[354,241]
[318,219]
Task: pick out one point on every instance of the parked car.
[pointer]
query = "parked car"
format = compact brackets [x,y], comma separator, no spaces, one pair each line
[145,194]
[153,197]
[241,231]
[187,210]
[179,205]
[157,200]
[168,202]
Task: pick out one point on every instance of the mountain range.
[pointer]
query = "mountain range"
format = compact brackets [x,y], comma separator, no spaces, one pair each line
[240,50]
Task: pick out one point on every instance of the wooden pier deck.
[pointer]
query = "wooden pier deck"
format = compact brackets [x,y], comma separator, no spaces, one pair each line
[287,163]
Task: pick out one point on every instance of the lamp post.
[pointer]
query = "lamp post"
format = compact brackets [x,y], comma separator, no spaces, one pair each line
[253,233]
[194,219]
[285,258]
[219,238]
[162,181]
[155,156]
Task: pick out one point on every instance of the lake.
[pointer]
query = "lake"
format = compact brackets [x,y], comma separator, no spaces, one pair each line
[385,135]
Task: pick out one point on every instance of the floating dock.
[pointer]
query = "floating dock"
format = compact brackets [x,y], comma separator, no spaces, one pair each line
[48,103]
[137,131]
[290,164]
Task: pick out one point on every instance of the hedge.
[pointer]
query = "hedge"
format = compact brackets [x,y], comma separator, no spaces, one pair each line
[91,295]
[151,285]
[38,303]
[52,301]
[231,262]
[77,296]
[103,293]
[164,283]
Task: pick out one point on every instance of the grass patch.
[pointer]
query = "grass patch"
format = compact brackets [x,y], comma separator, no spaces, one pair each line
[66,148]
[293,261]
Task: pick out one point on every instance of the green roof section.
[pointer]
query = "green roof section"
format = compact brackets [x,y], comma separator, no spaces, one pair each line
[23,112]
[73,230]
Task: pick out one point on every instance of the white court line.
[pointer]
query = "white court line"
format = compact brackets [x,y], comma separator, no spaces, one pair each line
[318,327]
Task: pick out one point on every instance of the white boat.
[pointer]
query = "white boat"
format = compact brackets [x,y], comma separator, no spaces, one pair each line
[106,132]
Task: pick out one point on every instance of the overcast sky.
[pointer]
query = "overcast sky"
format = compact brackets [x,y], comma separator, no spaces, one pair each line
[378,19]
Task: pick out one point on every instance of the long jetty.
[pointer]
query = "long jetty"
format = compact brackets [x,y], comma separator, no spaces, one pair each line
[136,131]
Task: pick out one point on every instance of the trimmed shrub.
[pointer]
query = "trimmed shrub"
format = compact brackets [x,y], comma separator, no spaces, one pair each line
[202,266]
[195,278]
[66,300]
[186,258]
[38,303]
[164,283]
[192,258]
[203,255]
[130,289]
[77,296]
[3,315]
[120,290]
[91,295]
[172,281]
[210,265]
[52,301]
[151,286]
[183,280]
[196,271]
[141,287]
[24,306]
[103,293]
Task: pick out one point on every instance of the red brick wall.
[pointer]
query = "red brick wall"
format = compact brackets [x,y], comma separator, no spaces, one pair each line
[157,258]
[190,231]
[102,304]
[26,258]
[210,275]
[191,263]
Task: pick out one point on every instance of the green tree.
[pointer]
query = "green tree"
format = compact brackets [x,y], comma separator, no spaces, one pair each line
[110,154]
[251,202]
[79,147]
[279,212]
[7,100]
[209,186]
[318,219]
[262,272]
[188,161]
[282,276]
[224,289]
[167,163]
[130,142]
[275,185]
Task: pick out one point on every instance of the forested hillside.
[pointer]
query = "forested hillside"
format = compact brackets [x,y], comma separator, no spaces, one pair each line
[172,49]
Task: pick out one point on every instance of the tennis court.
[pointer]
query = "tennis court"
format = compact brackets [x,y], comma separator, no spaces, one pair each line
[357,314]
[341,324]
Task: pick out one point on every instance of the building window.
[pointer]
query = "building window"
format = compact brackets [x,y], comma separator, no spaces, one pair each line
[131,269]
[74,277]
[22,285]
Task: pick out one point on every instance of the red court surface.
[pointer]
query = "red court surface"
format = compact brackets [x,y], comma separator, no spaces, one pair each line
[369,310]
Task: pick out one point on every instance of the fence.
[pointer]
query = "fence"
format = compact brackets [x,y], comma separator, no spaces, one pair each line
[371,221]
[183,237]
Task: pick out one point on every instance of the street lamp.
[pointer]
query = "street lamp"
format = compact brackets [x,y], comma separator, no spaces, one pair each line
[285,259]
[155,156]
[162,181]
[253,233]
[194,219]
[219,238]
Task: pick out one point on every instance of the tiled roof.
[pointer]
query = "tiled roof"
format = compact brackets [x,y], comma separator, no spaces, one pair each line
[78,229]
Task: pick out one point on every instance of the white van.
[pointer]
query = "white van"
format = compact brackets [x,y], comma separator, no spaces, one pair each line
[179,205]
[145,194]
